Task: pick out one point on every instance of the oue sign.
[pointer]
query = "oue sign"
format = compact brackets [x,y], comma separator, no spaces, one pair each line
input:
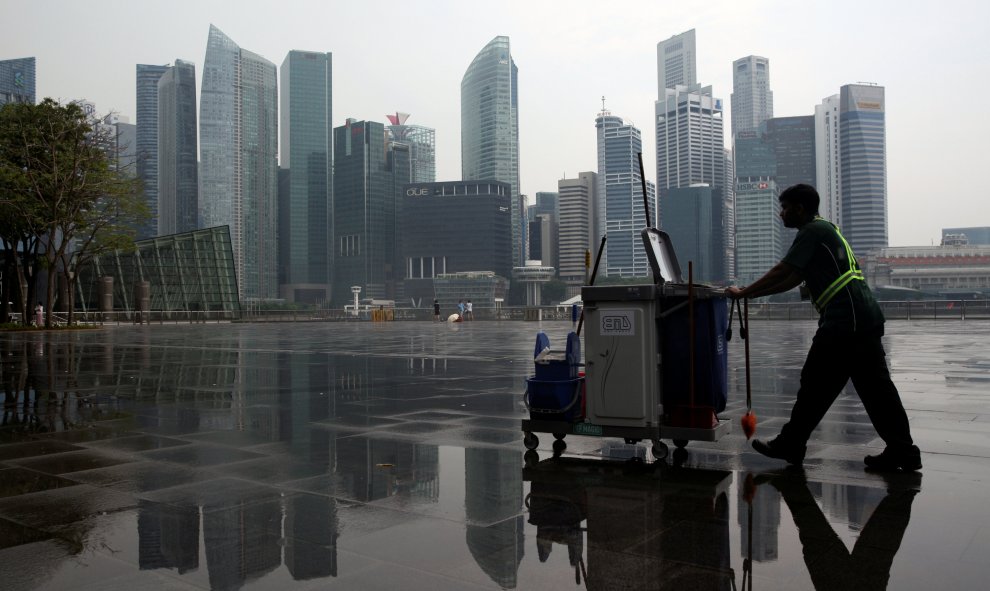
[417,192]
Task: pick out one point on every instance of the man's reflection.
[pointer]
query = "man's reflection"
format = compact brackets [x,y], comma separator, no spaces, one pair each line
[830,564]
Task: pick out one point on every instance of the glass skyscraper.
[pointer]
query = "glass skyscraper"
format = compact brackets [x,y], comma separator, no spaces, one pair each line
[306,127]
[17,80]
[368,174]
[422,142]
[622,215]
[147,141]
[752,99]
[490,128]
[863,166]
[239,159]
[177,170]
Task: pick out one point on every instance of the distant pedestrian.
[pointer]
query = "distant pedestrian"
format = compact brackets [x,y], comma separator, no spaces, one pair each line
[460,308]
[436,310]
[39,314]
[469,310]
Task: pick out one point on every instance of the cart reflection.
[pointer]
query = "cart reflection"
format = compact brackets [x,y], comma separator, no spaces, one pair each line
[645,526]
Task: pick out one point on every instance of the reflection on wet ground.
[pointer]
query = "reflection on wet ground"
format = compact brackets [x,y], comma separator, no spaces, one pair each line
[389,456]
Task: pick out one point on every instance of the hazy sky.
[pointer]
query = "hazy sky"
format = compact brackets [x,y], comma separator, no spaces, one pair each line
[409,56]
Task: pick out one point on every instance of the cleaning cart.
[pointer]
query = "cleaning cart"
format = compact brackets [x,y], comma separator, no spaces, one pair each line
[655,362]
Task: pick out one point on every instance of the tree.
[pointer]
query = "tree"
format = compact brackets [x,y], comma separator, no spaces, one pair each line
[64,182]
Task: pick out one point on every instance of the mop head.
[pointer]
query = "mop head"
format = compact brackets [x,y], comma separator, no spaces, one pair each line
[748,421]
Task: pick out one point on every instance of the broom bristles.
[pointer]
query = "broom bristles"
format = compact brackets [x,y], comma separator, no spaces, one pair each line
[748,421]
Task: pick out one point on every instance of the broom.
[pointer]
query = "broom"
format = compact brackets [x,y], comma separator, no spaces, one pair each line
[748,420]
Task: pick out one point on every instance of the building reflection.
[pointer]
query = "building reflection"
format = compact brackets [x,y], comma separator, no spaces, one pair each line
[646,528]
[765,517]
[493,502]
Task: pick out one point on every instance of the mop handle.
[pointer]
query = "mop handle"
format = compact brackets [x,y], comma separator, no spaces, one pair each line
[745,332]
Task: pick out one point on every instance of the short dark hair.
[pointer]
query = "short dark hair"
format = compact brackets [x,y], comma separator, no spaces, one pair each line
[803,195]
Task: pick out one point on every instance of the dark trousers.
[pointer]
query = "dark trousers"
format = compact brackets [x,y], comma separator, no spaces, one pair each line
[835,358]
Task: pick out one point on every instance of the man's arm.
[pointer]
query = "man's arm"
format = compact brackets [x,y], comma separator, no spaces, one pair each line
[780,278]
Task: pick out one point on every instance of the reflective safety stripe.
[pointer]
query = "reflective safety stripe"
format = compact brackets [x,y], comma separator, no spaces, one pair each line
[843,280]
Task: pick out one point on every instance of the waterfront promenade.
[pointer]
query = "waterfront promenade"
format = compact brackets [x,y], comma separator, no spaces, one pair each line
[365,455]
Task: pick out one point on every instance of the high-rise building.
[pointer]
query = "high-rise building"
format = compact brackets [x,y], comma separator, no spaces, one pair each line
[827,168]
[239,159]
[369,171]
[578,204]
[759,231]
[621,202]
[17,81]
[793,142]
[693,218]
[422,143]
[178,164]
[490,128]
[676,62]
[729,223]
[306,130]
[690,145]
[147,141]
[752,99]
[544,224]
[452,227]
[863,166]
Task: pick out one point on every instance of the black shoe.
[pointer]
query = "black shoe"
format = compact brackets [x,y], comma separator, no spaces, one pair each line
[893,461]
[792,454]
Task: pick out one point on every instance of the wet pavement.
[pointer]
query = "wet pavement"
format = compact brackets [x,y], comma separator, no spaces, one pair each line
[390,456]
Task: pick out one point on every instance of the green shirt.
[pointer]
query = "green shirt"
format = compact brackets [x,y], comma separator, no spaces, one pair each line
[820,258]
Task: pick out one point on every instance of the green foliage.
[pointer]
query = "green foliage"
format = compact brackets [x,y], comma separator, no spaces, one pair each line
[553,292]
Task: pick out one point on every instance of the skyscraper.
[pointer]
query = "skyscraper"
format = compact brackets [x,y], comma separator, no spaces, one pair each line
[693,217]
[177,167]
[827,170]
[422,143]
[17,81]
[147,141]
[490,128]
[368,172]
[676,62]
[306,129]
[578,209]
[752,99]
[759,231]
[239,155]
[863,172]
[690,145]
[621,193]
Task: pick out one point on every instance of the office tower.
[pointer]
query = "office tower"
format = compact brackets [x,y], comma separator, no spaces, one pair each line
[729,223]
[490,128]
[752,99]
[759,231]
[368,172]
[178,165]
[578,204]
[621,205]
[863,166]
[306,129]
[453,227]
[690,146]
[147,141]
[17,81]
[422,143]
[693,220]
[239,159]
[827,169]
[676,62]
[793,142]
[545,214]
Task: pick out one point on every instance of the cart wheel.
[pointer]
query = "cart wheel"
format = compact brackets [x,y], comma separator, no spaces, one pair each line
[680,454]
[558,447]
[660,450]
[559,436]
[531,458]
[630,441]
[680,443]
[531,441]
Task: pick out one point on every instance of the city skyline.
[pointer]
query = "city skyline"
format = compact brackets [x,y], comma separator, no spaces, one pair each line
[570,61]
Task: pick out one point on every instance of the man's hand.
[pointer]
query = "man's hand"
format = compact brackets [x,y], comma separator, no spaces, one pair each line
[734,292]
